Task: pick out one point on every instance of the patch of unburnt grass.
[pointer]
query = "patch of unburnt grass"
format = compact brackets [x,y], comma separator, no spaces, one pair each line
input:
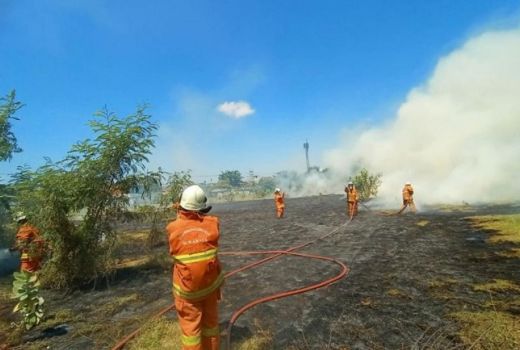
[513,253]
[511,305]
[488,329]
[495,323]
[163,333]
[497,286]
[422,223]
[397,293]
[443,288]
[505,228]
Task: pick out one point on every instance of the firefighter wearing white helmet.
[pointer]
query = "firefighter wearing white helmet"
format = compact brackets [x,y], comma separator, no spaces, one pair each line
[197,274]
[193,198]
[20,216]
[279,203]
[407,198]
[30,244]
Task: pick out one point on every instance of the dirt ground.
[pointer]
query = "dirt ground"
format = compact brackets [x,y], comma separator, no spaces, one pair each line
[407,274]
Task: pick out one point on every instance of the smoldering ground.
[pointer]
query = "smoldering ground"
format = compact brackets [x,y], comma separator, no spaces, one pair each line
[390,299]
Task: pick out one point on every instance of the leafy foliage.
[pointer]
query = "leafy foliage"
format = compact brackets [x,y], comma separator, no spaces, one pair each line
[8,143]
[91,183]
[367,184]
[175,184]
[7,231]
[266,186]
[232,178]
[30,303]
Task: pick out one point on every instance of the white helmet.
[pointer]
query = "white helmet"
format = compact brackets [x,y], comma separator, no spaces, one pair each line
[408,183]
[194,199]
[277,190]
[20,216]
[350,183]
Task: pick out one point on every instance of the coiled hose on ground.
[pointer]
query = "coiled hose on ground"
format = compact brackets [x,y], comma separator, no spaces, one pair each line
[274,254]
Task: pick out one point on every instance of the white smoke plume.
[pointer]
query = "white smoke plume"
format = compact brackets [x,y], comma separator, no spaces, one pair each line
[307,184]
[457,137]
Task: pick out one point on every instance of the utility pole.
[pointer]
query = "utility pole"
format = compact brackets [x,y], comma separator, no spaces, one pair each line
[306,147]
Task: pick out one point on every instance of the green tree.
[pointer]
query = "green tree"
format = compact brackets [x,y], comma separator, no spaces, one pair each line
[175,184]
[266,186]
[8,143]
[77,201]
[232,178]
[367,184]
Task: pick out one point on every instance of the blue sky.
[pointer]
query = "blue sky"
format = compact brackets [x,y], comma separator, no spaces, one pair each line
[308,69]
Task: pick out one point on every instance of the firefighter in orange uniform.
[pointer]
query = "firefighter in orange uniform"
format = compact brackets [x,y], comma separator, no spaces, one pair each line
[279,202]
[197,275]
[29,243]
[352,200]
[407,198]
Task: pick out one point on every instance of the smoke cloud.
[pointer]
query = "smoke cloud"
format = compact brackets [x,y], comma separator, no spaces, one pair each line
[456,137]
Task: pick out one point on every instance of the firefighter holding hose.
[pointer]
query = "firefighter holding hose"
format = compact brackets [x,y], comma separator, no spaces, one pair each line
[279,202]
[352,200]
[197,275]
[407,198]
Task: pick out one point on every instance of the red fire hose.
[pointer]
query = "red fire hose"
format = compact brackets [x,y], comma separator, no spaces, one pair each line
[344,271]
[275,254]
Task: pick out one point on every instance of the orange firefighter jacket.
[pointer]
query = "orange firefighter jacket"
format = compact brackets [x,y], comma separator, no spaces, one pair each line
[407,193]
[193,240]
[352,195]
[31,246]
[279,200]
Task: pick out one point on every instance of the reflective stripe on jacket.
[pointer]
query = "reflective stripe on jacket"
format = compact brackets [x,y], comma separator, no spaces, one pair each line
[193,240]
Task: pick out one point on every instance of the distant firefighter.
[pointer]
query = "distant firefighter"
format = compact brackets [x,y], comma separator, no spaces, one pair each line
[279,202]
[352,200]
[407,198]
[29,243]
[197,275]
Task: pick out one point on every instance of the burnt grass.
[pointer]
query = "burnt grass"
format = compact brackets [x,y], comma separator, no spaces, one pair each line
[407,274]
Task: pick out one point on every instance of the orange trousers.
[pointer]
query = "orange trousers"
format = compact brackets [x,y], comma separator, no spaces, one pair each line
[352,209]
[199,322]
[280,211]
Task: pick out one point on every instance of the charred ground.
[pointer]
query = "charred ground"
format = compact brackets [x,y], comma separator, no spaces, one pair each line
[409,273]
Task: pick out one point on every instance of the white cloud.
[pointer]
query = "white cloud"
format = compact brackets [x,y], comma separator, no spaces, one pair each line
[237,110]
